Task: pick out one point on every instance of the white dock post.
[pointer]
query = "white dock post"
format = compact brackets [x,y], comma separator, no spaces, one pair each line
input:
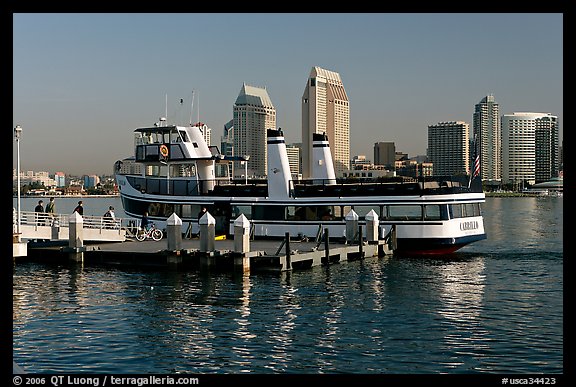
[55,229]
[207,232]
[174,232]
[372,229]
[242,234]
[351,225]
[76,237]
[242,243]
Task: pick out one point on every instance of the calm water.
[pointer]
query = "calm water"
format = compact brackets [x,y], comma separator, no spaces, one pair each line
[494,307]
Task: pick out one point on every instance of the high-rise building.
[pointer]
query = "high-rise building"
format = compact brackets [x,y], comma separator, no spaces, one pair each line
[60,178]
[487,132]
[530,147]
[293,153]
[206,132]
[326,110]
[385,154]
[448,147]
[253,115]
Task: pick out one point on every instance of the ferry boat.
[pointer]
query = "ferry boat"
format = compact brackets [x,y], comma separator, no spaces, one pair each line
[173,171]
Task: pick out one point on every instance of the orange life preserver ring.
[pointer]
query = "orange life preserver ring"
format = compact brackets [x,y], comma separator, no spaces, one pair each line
[164,150]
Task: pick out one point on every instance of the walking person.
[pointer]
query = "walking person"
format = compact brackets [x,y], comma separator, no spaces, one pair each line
[39,212]
[51,210]
[79,208]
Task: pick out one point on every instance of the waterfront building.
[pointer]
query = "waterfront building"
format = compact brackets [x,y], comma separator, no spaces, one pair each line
[293,153]
[413,168]
[487,131]
[385,154]
[530,147]
[367,171]
[30,177]
[226,149]
[325,110]
[91,181]
[448,147]
[359,160]
[206,132]
[254,113]
[60,179]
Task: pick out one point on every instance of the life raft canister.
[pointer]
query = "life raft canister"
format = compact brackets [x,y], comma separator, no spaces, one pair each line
[164,150]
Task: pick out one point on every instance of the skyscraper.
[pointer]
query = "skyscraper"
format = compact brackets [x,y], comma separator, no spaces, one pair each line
[385,154]
[449,148]
[325,109]
[253,115]
[530,147]
[486,126]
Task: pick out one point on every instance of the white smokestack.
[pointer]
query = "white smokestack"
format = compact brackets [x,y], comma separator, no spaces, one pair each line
[199,149]
[279,177]
[322,165]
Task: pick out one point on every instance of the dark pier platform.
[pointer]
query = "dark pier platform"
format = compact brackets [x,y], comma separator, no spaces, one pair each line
[264,255]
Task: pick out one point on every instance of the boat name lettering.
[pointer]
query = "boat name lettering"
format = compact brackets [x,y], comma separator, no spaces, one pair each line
[469,225]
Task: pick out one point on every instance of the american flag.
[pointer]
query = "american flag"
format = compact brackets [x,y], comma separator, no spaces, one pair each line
[476,171]
[476,167]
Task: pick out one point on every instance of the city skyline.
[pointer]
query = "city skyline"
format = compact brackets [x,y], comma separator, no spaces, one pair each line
[83,82]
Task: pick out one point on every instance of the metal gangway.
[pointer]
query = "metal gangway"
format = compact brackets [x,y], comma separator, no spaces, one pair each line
[46,226]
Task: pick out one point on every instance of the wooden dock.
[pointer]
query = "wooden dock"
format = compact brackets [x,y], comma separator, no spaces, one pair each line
[264,255]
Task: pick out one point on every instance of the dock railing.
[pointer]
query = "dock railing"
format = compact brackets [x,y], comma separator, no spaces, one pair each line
[32,218]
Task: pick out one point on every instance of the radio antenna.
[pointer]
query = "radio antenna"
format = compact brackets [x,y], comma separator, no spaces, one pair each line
[191,107]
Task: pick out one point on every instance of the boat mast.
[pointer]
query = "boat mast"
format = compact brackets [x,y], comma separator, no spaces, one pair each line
[191,107]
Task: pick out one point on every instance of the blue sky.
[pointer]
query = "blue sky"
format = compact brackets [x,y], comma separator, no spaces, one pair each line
[83,82]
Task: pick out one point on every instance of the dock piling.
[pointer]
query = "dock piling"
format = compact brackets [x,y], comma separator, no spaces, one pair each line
[372,226]
[207,232]
[351,226]
[174,232]
[76,237]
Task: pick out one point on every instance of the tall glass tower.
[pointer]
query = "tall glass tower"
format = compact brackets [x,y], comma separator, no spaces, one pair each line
[487,132]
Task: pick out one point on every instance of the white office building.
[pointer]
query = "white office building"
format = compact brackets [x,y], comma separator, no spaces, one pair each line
[254,113]
[325,110]
[530,147]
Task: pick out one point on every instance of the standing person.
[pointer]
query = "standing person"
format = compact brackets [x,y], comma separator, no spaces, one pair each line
[39,210]
[51,209]
[201,213]
[79,208]
[109,217]
[145,222]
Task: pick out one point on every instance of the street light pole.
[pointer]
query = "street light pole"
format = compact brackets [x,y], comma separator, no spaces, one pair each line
[17,133]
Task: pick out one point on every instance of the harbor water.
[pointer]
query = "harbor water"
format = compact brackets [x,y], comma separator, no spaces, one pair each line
[496,306]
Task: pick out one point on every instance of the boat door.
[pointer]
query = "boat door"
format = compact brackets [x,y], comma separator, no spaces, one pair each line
[222,214]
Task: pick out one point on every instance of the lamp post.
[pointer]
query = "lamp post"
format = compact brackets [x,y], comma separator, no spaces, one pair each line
[17,134]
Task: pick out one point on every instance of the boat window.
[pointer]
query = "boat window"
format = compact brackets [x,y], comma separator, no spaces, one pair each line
[175,137]
[471,209]
[455,211]
[268,212]
[176,152]
[405,212]
[432,212]
[246,210]
[138,138]
[184,136]
[151,152]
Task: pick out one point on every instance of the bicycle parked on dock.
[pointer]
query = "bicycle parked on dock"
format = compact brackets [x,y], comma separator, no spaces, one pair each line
[151,233]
